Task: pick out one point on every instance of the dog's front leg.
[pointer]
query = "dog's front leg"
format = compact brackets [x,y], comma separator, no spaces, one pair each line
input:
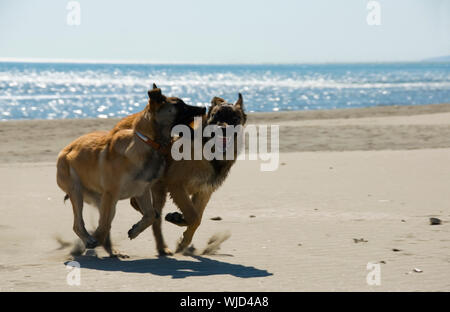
[110,250]
[199,200]
[159,195]
[148,214]
[192,213]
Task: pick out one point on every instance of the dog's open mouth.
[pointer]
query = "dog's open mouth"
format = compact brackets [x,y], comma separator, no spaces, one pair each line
[223,142]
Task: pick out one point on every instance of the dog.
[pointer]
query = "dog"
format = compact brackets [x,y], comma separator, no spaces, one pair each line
[191,183]
[102,167]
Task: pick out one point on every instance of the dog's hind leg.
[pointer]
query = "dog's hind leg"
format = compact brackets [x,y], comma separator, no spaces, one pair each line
[76,198]
[144,202]
[78,223]
[107,211]
[96,200]
[159,195]
[68,180]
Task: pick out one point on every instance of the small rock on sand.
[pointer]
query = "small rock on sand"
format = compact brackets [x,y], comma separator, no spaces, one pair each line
[435,221]
[216,218]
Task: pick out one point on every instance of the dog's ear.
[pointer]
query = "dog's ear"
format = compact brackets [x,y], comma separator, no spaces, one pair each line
[240,106]
[214,102]
[154,86]
[155,98]
[155,94]
[240,102]
[217,101]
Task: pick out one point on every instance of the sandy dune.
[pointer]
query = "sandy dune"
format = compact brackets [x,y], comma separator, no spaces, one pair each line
[371,175]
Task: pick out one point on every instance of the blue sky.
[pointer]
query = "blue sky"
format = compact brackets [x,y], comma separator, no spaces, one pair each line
[233,31]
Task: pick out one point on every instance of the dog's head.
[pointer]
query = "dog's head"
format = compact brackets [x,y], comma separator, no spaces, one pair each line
[224,114]
[171,111]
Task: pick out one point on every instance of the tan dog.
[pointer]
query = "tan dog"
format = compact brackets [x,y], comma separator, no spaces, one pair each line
[101,168]
[196,178]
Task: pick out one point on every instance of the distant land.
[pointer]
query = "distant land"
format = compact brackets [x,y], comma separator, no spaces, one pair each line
[438,59]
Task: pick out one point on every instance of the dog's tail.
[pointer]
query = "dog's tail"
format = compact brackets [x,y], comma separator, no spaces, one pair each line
[63,173]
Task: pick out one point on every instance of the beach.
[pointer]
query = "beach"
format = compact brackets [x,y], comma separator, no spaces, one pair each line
[355,188]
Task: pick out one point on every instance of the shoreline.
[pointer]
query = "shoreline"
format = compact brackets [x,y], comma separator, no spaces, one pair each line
[355,112]
[372,128]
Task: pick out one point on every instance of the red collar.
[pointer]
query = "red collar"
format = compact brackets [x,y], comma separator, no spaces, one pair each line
[155,145]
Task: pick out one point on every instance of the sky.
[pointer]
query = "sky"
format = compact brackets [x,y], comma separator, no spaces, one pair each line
[233,31]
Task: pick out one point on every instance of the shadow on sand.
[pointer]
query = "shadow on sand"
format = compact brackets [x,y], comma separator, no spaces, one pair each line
[166,266]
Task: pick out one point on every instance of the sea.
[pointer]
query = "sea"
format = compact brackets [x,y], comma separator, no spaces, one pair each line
[75,90]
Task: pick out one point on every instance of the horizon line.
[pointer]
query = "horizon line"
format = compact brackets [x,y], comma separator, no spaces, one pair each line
[147,62]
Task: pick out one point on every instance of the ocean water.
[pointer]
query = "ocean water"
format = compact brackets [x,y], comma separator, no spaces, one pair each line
[57,91]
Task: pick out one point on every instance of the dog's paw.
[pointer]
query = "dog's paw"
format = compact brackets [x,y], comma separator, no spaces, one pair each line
[176,218]
[91,243]
[165,252]
[181,248]
[119,255]
[132,233]
[189,251]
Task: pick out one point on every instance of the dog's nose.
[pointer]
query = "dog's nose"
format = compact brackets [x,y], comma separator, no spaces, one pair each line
[198,111]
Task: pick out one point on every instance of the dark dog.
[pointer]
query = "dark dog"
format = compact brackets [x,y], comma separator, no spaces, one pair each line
[196,178]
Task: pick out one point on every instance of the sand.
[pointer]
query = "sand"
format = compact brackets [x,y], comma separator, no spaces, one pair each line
[354,186]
